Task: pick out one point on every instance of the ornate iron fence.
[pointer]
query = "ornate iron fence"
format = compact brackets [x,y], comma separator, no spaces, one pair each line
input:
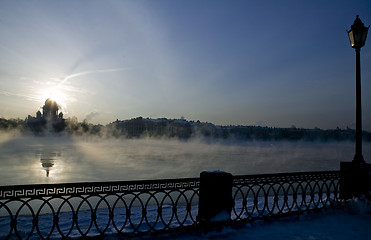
[259,196]
[89,209]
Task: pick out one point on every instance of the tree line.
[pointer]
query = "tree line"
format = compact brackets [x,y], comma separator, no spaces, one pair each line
[181,129]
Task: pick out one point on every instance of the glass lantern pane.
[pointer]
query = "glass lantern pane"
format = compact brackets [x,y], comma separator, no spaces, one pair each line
[358,39]
[351,38]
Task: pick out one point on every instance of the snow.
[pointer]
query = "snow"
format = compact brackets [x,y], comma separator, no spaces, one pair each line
[331,224]
[222,216]
[216,171]
[335,225]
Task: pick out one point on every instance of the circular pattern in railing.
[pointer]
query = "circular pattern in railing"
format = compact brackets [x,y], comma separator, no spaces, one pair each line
[92,215]
[283,194]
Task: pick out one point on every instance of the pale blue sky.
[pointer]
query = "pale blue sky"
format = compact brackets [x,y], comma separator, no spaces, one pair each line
[275,63]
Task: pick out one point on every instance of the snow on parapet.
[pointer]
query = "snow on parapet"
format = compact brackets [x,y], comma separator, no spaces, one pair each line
[221,217]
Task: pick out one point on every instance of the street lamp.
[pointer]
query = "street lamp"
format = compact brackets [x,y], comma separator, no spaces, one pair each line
[357,36]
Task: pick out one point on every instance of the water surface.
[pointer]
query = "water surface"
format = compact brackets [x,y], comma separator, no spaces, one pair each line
[59,159]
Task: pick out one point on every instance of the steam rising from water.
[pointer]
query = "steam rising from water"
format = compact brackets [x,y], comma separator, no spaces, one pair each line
[24,159]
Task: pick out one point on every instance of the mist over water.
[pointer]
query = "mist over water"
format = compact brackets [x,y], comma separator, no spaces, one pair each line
[60,159]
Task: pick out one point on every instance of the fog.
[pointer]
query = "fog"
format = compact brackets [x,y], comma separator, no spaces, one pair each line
[59,159]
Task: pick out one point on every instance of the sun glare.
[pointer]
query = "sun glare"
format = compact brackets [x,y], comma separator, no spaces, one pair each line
[54,94]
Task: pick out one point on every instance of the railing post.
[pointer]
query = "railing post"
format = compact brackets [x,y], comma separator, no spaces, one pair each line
[215,199]
[355,180]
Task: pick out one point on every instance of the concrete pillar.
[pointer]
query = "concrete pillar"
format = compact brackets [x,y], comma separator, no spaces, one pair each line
[215,200]
[355,180]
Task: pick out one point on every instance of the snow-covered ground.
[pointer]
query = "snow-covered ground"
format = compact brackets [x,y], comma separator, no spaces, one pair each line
[353,223]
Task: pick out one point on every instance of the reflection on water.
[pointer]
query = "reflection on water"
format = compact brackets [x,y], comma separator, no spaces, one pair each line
[48,157]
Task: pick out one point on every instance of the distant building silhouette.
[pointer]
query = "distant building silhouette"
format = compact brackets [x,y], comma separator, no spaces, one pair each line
[50,109]
[50,119]
[38,114]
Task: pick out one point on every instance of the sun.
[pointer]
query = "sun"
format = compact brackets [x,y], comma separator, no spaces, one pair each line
[54,94]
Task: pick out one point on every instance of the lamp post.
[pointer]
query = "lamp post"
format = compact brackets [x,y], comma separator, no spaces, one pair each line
[357,36]
[355,177]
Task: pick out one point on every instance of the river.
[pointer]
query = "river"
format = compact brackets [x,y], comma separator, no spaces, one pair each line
[60,159]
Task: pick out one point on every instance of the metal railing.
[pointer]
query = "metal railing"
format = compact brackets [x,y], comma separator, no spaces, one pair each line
[77,210]
[259,196]
[90,209]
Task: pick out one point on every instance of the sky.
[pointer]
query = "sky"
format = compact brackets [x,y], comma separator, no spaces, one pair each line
[269,63]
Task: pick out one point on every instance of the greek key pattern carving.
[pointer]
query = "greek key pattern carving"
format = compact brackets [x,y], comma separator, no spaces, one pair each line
[42,190]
